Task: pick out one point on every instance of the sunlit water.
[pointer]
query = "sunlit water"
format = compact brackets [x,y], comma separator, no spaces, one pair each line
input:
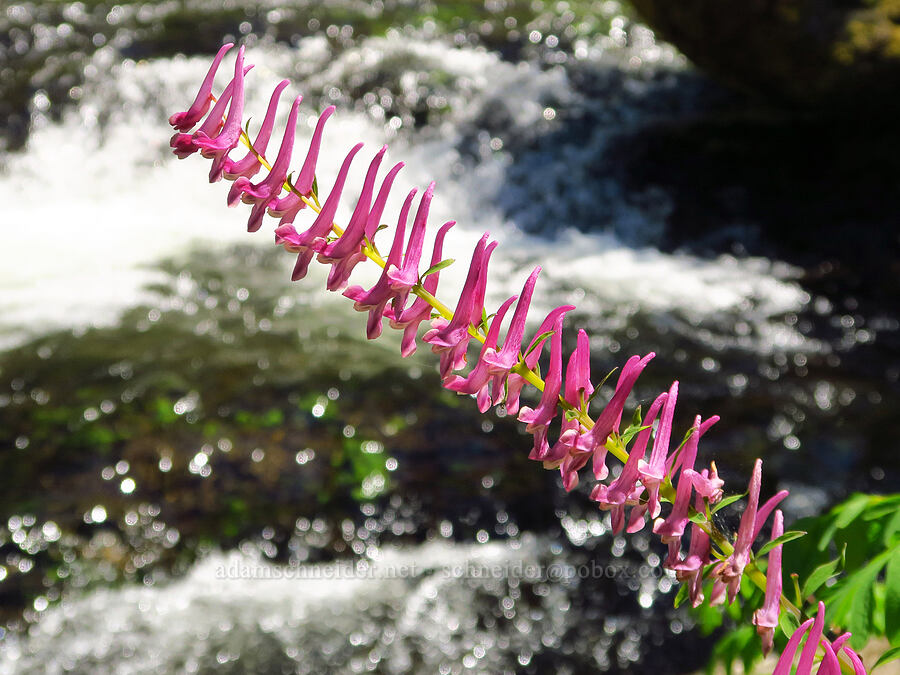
[94,202]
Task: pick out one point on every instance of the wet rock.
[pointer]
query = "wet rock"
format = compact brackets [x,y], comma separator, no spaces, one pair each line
[844,54]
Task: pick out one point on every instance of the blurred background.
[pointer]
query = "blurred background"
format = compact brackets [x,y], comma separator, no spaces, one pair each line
[176,417]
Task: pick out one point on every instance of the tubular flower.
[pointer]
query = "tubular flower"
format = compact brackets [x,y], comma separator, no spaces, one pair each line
[187,120]
[450,338]
[184,145]
[376,298]
[672,528]
[261,194]
[538,419]
[404,277]
[730,570]
[249,165]
[348,251]
[654,472]
[812,628]
[217,147]
[501,372]
[690,570]
[625,490]
[515,382]
[500,363]
[409,319]
[478,381]
[766,617]
[592,443]
[308,242]
[289,206]
[840,645]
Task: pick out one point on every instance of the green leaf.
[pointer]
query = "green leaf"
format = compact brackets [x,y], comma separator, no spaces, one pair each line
[698,518]
[631,432]
[636,417]
[850,601]
[788,623]
[682,594]
[790,535]
[892,528]
[892,601]
[381,227]
[844,514]
[571,415]
[887,657]
[437,267]
[820,575]
[538,341]
[731,499]
[315,188]
[601,383]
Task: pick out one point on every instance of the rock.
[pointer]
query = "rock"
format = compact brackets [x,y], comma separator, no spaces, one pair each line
[843,53]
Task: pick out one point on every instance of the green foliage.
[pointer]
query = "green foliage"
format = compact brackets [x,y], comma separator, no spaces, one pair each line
[850,560]
[437,267]
[790,535]
[741,645]
[863,535]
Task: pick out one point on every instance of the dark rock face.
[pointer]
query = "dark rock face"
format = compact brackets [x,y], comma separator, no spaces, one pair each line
[843,53]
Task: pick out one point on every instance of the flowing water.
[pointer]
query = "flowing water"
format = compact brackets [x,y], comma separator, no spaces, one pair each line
[171,406]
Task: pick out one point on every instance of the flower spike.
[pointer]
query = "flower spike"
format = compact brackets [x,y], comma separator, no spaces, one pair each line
[501,372]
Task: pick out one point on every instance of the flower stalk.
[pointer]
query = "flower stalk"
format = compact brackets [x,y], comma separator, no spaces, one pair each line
[668,475]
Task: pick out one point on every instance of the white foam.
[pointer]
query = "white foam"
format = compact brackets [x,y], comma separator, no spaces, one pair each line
[95,200]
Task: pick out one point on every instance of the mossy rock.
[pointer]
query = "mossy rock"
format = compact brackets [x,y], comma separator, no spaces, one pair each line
[843,53]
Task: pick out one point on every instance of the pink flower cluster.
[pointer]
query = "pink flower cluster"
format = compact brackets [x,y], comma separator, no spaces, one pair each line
[498,376]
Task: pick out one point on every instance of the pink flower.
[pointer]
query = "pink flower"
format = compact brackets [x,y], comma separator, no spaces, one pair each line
[515,382]
[345,253]
[404,277]
[840,645]
[766,617]
[184,145]
[592,443]
[376,298]
[538,419]
[732,568]
[310,241]
[479,379]
[409,319]
[690,570]
[654,472]
[812,628]
[249,165]
[672,528]
[625,490]
[185,121]
[217,147]
[261,194]
[288,206]
[450,338]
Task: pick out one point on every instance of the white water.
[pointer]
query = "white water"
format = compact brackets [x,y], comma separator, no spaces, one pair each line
[438,607]
[95,200]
